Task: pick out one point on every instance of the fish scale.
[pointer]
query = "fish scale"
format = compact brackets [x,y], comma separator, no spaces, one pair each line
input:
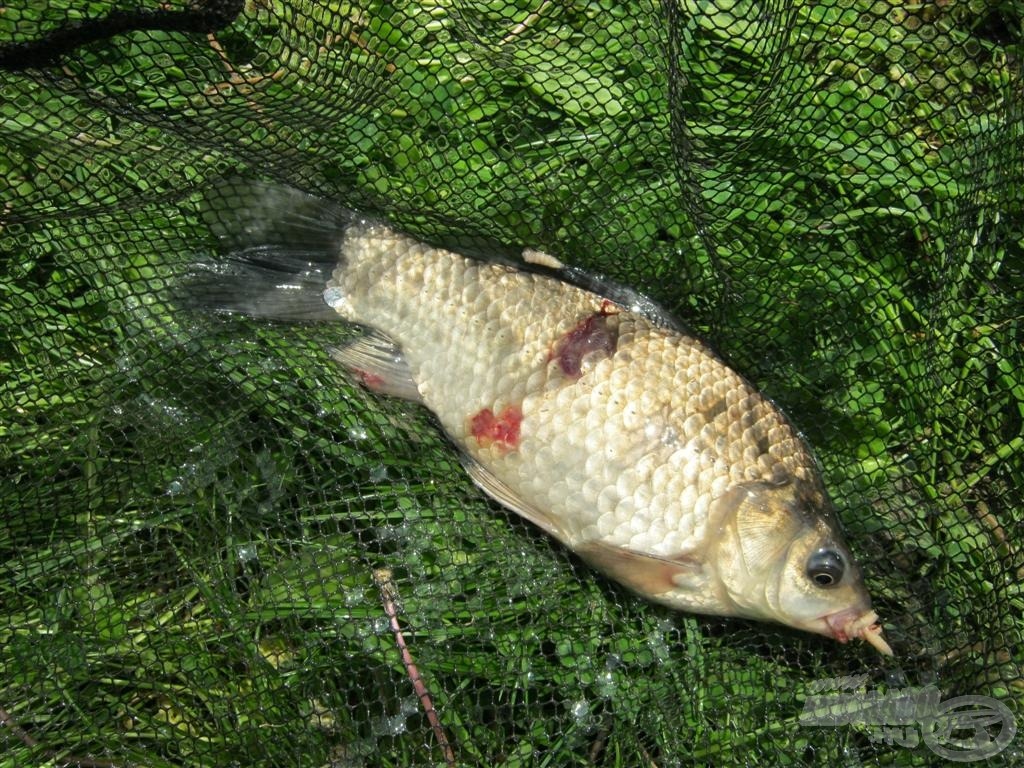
[623,437]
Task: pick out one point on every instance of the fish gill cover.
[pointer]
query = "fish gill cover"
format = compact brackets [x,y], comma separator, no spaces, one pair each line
[216,549]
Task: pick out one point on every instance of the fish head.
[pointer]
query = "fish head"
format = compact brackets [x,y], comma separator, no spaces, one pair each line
[781,557]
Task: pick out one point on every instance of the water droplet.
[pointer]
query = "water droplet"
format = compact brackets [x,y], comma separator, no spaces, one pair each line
[378,473]
[607,684]
[656,642]
[388,532]
[580,709]
[357,433]
[334,297]
[410,706]
[390,726]
[247,552]
[175,487]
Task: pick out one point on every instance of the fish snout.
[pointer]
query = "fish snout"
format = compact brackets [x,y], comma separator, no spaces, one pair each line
[853,623]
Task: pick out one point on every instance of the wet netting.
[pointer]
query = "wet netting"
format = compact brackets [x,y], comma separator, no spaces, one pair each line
[217,550]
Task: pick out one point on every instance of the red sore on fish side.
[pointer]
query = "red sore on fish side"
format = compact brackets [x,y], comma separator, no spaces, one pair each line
[592,334]
[502,429]
[369,380]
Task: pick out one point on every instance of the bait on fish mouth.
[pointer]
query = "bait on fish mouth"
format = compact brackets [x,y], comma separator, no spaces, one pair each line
[579,405]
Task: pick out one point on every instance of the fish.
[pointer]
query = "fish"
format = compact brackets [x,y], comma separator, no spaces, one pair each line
[576,403]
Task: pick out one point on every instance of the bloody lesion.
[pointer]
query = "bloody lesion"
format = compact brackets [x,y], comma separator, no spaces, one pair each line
[500,429]
[369,379]
[596,334]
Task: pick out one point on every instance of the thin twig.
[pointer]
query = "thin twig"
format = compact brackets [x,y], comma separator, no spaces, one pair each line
[17,730]
[598,746]
[389,596]
[65,761]
[648,758]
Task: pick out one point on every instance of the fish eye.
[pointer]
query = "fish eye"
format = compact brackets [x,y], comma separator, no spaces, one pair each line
[825,567]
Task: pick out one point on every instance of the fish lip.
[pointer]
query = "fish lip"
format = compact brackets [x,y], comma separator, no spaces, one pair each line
[838,625]
[851,623]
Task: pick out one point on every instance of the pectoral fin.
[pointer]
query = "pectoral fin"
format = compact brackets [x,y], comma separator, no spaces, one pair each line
[504,495]
[650,575]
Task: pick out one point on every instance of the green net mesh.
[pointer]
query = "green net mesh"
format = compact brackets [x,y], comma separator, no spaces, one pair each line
[213,547]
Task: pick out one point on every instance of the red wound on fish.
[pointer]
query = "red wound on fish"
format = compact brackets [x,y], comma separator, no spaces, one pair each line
[369,380]
[502,429]
[593,334]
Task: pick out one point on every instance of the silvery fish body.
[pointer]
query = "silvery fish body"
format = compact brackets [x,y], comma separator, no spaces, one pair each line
[624,437]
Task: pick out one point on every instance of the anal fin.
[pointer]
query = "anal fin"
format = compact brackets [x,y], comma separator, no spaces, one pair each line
[379,365]
[500,491]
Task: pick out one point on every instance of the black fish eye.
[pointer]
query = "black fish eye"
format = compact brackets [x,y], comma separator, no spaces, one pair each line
[825,567]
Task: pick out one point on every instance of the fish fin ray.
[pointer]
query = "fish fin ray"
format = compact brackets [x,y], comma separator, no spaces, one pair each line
[500,491]
[242,213]
[276,248]
[379,364]
[650,575]
[271,282]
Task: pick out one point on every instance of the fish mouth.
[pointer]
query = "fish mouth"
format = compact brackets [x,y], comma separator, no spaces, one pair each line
[852,623]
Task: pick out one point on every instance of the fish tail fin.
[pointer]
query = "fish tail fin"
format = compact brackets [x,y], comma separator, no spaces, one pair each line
[277,249]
